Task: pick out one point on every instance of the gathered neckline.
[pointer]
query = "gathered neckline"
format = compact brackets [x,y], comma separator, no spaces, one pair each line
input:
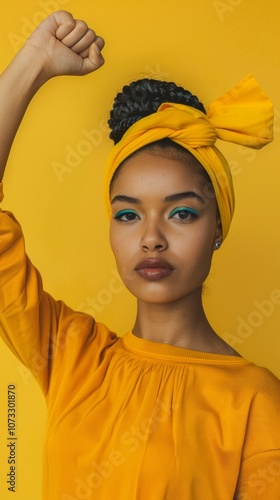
[162,350]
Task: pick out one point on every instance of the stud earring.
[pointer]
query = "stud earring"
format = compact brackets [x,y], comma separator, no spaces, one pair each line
[217,245]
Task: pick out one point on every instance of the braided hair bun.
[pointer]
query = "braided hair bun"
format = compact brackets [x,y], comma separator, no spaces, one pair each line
[142,98]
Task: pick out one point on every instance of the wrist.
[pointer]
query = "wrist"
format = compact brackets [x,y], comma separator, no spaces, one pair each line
[27,71]
[33,66]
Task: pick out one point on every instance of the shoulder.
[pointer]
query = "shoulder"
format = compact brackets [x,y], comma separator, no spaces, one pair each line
[83,332]
[266,383]
[260,472]
[263,419]
[263,385]
[267,396]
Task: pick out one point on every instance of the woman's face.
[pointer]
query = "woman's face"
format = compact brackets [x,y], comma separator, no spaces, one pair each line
[163,229]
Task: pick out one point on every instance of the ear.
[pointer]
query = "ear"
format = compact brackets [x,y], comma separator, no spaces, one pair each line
[218,234]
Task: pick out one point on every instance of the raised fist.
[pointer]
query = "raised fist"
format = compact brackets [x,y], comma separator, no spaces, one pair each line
[66,46]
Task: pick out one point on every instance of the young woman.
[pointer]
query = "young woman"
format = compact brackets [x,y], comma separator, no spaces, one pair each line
[169,411]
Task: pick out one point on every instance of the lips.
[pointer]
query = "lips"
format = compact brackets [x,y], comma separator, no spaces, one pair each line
[154,269]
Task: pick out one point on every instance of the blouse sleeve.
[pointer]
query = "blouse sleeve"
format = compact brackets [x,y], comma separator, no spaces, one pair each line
[260,469]
[32,323]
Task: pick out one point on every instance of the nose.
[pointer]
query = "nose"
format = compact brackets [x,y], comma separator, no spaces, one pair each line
[153,238]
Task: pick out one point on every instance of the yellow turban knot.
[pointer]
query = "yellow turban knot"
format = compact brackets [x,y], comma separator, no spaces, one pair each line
[244,115]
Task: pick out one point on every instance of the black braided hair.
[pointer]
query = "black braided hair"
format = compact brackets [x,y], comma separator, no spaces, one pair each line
[142,98]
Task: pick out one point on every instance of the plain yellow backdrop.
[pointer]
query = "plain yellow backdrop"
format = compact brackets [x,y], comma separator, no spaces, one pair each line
[55,174]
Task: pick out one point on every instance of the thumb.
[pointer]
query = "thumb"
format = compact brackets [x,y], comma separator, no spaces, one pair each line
[93,57]
[97,46]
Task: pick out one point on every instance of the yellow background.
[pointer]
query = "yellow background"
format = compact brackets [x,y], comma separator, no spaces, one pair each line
[54,180]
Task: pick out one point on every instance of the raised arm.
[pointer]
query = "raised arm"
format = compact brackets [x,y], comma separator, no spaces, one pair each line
[60,45]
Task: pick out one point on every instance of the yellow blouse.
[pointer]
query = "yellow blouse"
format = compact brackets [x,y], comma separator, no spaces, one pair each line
[131,419]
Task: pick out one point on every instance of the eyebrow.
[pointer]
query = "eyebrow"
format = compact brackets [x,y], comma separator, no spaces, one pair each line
[184,195]
[167,199]
[126,199]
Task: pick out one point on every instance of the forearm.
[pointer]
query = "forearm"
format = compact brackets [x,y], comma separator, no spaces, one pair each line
[18,84]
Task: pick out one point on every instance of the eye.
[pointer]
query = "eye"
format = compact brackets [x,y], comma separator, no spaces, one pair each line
[185,214]
[126,215]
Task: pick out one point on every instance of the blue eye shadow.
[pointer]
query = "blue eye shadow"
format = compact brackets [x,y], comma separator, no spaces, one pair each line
[184,209]
[126,211]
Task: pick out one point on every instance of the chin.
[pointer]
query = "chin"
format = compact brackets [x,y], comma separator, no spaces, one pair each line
[159,297]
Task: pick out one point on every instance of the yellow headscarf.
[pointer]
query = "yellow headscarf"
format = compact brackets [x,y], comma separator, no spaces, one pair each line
[244,115]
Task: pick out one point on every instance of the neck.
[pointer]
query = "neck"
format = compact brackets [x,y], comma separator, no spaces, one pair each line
[182,324]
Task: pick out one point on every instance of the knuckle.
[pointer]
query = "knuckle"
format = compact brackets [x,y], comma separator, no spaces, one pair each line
[92,33]
[81,26]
